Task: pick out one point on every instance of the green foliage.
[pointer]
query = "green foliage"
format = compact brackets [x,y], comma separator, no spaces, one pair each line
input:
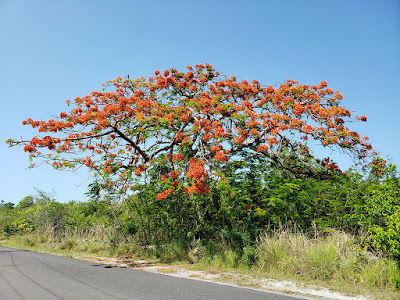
[8,205]
[387,237]
[253,198]
[28,201]
[42,212]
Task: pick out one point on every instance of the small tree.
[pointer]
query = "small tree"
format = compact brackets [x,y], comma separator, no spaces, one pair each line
[6,205]
[26,202]
[182,128]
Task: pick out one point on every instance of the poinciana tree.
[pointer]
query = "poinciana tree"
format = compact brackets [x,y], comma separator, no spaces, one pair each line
[186,126]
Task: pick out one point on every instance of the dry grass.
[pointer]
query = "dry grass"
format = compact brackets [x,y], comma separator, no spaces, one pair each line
[334,260]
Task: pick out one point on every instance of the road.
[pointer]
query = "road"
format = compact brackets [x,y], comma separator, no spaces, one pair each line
[30,275]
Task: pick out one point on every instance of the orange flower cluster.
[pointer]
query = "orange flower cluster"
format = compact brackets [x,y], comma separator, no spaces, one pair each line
[87,161]
[362,118]
[164,195]
[178,157]
[262,148]
[196,169]
[199,174]
[200,186]
[139,170]
[377,166]
[174,174]
[196,115]
[220,156]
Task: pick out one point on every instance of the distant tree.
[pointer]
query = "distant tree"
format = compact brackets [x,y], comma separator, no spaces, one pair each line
[7,205]
[183,127]
[28,201]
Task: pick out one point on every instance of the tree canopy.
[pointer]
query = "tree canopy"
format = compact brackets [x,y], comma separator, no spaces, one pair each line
[186,126]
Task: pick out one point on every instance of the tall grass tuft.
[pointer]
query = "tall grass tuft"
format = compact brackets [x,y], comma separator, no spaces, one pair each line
[336,258]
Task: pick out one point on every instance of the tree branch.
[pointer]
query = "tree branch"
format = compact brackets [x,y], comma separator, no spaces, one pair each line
[130,142]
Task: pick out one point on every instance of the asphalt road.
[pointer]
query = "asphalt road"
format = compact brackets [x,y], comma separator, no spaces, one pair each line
[31,275]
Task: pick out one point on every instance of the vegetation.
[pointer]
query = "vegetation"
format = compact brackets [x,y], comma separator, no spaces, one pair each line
[199,167]
[340,231]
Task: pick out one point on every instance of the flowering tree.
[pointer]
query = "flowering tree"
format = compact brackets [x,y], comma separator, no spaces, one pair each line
[186,126]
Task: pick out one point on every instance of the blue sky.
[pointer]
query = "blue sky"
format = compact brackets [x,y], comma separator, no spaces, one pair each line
[51,51]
